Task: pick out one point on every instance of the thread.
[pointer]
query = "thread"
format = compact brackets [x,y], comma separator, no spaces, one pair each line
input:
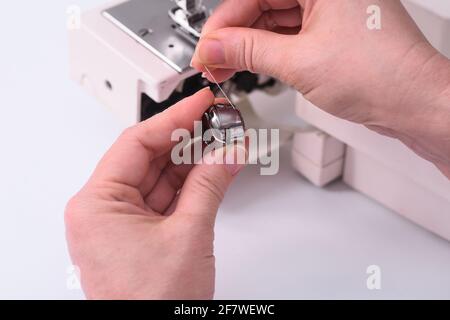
[220,88]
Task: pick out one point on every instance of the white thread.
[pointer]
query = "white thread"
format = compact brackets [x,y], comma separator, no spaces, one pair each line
[220,88]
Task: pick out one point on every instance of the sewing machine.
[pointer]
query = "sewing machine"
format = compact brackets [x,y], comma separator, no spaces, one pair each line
[134,57]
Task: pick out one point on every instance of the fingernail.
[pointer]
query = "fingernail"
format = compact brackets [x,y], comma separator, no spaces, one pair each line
[211,51]
[204,75]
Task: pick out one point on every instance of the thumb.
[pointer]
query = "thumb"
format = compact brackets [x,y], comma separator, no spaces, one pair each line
[207,183]
[258,51]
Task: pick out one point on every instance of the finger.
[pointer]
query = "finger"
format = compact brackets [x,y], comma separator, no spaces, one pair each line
[220,75]
[171,179]
[173,206]
[221,100]
[129,159]
[207,183]
[258,51]
[238,13]
[166,188]
[215,73]
[279,18]
[153,174]
[226,16]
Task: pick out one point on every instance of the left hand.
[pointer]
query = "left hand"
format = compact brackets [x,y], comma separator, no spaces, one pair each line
[143,228]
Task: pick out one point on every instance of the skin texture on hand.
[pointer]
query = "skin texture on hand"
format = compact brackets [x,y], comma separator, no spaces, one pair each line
[390,80]
[143,228]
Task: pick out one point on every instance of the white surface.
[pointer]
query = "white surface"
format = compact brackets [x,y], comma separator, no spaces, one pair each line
[283,238]
[277,237]
[439,7]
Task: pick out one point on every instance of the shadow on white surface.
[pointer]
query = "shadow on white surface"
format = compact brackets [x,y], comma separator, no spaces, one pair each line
[282,238]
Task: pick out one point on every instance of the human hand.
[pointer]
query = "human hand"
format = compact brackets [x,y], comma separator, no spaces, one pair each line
[143,228]
[390,80]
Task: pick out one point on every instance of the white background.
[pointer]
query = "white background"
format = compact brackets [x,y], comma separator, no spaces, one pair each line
[277,237]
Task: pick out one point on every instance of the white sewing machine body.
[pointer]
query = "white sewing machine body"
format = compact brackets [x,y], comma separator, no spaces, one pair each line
[116,68]
[138,68]
[114,62]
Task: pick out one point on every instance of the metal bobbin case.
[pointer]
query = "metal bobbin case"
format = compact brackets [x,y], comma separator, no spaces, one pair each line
[223,124]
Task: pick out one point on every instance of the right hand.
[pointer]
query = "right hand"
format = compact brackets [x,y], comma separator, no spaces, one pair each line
[389,80]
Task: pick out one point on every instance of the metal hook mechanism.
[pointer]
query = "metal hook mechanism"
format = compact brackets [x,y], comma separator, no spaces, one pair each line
[223,124]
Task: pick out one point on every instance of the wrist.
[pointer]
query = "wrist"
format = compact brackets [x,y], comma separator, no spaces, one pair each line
[420,116]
